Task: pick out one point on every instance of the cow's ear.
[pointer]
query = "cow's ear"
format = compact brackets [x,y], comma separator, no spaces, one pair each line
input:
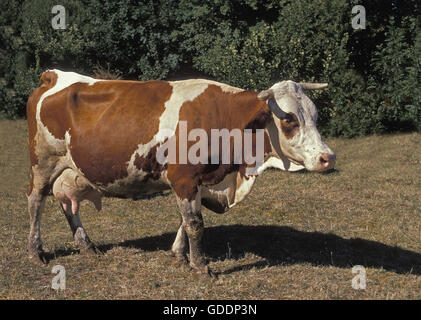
[265,94]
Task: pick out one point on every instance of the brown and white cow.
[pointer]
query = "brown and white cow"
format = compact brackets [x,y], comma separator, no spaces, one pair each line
[90,138]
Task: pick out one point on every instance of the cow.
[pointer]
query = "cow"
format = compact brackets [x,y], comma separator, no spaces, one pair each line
[90,138]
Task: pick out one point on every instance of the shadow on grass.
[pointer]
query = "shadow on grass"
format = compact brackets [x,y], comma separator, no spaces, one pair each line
[59,253]
[305,171]
[284,245]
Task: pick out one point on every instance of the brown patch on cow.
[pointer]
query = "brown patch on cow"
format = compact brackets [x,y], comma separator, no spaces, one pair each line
[215,109]
[290,126]
[150,165]
[54,115]
[106,121]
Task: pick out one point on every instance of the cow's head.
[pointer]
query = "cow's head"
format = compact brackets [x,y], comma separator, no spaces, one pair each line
[293,132]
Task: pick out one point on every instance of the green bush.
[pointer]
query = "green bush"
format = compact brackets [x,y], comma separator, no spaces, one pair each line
[135,38]
[32,46]
[373,74]
[397,65]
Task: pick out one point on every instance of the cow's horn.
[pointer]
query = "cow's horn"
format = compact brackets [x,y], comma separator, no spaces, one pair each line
[313,86]
[266,94]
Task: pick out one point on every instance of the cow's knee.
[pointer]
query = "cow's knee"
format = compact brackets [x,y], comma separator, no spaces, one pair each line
[194,226]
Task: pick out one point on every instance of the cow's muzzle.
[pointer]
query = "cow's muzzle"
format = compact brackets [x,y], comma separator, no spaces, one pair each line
[326,161]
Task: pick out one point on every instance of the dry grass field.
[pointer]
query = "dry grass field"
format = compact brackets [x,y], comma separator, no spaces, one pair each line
[297,235]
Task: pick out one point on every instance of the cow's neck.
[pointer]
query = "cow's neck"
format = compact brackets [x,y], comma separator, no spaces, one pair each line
[263,119]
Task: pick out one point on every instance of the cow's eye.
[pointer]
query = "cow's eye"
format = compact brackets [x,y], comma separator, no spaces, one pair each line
[288,120]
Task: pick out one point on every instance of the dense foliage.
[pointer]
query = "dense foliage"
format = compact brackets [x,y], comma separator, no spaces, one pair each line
[373,73]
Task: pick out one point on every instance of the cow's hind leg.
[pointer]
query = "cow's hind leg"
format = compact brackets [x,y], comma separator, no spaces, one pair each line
[79,234]
[37,192]
[193,226]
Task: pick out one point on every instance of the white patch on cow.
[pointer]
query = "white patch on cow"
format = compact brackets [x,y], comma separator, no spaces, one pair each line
[180,241]
[67,139]
[244,186]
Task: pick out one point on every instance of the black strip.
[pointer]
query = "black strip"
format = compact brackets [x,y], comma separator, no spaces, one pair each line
[210,309]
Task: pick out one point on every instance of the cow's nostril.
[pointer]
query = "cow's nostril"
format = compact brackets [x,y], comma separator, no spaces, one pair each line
[327,160]
[324,159]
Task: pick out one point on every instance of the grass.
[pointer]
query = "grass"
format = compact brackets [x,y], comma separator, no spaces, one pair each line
[296,236]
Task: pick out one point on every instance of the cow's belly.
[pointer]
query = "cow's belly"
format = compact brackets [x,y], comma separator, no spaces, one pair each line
[136,186]
[124,180]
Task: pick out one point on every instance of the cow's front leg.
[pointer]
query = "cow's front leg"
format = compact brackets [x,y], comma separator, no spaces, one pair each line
[193,226]
[179,247]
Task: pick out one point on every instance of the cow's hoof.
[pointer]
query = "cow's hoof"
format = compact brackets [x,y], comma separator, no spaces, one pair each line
[38,258]
[180,261]
[203,273]
[90,249]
